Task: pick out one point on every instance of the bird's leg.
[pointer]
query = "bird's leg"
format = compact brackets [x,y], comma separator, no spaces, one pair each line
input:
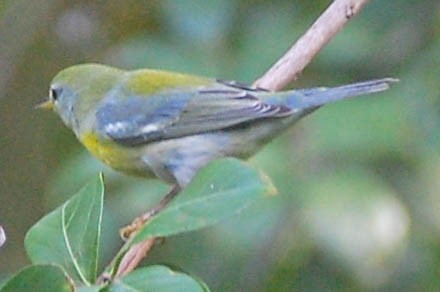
[137,223]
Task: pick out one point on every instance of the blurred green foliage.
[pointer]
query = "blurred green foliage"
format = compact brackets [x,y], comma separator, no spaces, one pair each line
[359,181]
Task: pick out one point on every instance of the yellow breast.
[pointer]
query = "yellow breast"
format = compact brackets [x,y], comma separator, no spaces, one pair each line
[121,158]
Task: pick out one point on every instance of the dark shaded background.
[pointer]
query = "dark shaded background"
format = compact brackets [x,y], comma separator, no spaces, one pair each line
[359,181]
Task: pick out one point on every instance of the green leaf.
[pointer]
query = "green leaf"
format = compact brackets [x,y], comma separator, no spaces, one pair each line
[39,278]
[157,278]
[93,288]
[69,236]
[220,190]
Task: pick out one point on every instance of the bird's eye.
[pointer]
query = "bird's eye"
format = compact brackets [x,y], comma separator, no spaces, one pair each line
[54,93]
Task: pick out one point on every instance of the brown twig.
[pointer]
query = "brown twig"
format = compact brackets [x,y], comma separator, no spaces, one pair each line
[134,256]
[286,70]
[290,66]
[138,251]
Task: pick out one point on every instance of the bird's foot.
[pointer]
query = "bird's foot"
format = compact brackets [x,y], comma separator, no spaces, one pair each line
[129,230]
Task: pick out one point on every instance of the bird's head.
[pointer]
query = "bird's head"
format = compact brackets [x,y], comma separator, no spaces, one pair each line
[75,91]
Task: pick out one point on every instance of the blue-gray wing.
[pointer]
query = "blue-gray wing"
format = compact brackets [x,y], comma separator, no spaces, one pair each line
[138,120]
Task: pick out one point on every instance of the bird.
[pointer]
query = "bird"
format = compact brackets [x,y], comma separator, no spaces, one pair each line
[168,125]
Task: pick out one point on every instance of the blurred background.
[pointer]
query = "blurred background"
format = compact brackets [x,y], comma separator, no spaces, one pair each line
[359,181]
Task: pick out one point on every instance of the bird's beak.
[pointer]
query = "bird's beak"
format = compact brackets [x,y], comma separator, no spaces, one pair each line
[46,105]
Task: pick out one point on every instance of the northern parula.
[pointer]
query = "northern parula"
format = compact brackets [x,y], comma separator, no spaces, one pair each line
[169,125]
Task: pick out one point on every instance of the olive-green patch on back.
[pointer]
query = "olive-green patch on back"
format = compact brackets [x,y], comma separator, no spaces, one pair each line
[144,82]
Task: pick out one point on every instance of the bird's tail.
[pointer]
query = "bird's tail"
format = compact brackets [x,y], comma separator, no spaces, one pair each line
[309,99]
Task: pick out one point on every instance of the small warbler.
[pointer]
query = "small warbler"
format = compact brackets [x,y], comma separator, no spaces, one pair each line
[169,125]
